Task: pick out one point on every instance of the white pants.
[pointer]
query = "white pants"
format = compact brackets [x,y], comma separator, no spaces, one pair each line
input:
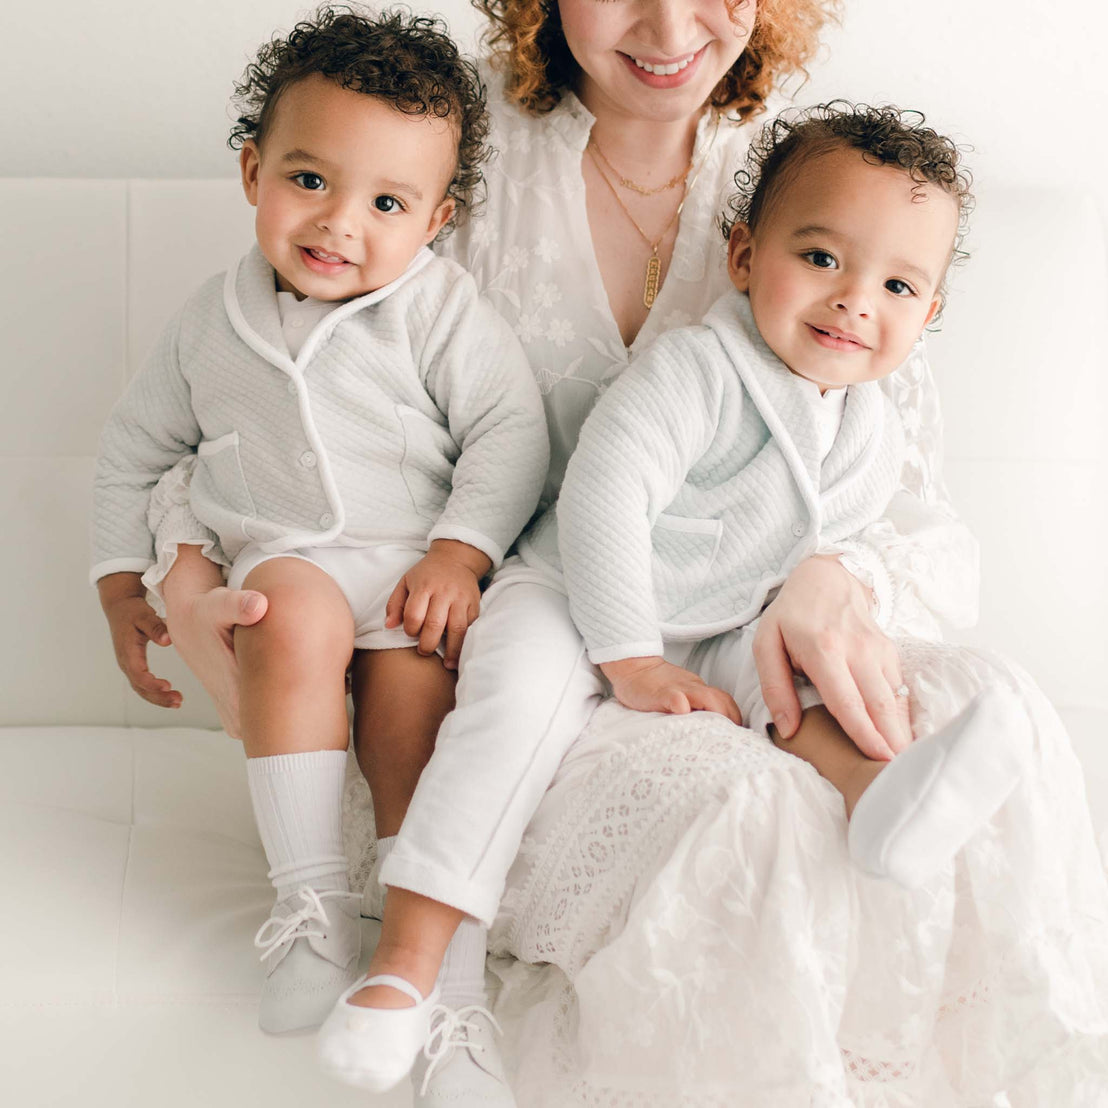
[525,692]
[365,574]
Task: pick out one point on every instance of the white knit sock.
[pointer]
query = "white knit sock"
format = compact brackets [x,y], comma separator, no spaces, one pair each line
[298,807]
[462,976]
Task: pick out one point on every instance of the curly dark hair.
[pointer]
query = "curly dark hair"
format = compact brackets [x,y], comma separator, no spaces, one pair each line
[408,60]
[526,41]
[885,135]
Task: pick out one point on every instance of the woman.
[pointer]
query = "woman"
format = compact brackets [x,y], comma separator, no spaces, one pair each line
[688,882]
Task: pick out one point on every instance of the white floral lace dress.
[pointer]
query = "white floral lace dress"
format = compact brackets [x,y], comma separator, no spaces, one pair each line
[682,926]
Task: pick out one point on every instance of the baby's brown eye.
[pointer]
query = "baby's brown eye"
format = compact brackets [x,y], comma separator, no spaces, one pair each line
[898,287]
[386,204]
[821,259]
[310,181]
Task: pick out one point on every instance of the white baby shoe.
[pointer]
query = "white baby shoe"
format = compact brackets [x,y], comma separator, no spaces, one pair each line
[460,1065]
[935,794]
[310,947]
[374,1048]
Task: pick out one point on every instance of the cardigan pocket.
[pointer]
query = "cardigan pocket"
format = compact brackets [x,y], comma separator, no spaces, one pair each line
[684,550]
[219,476]
[427,464]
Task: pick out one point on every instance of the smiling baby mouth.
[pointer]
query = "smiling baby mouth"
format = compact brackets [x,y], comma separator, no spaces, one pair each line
[664,69]
[323,256]
[842,336]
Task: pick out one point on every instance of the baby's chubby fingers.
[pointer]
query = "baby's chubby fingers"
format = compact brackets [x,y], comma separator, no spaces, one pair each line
[434,624]
[394,608]
[132,660]
[457,624]
[710,699]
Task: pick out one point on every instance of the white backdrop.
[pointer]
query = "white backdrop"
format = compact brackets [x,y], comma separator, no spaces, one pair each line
[138,88]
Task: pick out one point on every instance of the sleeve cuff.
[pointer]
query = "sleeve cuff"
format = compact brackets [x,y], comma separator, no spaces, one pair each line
[493,551]
[864,564]
[649,649]
[117,565]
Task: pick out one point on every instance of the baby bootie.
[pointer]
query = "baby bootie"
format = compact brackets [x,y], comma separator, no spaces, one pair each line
[374,1048]
[926,803]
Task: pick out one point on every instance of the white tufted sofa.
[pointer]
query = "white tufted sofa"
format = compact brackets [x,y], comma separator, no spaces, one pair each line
[132,876]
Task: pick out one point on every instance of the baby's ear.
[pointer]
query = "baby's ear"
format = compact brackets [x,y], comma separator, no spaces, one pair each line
[740,246]
[439,218]
[249,162]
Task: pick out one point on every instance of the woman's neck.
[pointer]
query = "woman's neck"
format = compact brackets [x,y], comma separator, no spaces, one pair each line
[645,150]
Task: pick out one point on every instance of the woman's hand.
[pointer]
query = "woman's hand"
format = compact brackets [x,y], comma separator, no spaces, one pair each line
[133,624]
[655,685]
[202,615]
[440,593]
[820,625]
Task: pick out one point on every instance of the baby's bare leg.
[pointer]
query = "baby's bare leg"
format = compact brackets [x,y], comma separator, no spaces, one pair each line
[293,661]
[400,701]
[823,744]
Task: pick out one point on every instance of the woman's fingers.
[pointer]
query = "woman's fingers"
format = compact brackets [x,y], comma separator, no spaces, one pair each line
[776,676]
[843,698]
[883,707]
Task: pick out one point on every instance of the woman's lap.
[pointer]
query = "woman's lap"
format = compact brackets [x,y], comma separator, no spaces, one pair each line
[681,974]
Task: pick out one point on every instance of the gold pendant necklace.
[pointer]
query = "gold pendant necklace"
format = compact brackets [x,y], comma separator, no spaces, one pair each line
[653,281]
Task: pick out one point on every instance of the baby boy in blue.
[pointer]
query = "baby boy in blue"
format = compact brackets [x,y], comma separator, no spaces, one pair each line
[737,448]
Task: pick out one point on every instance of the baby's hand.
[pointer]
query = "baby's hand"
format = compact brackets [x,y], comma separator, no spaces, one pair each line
[655,685]
[133,624]
[441,592]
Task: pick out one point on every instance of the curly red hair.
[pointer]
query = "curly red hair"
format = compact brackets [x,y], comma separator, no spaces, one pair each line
[526,41]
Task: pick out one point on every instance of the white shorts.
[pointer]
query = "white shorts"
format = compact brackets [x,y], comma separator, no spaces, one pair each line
[727,662]
[365,574]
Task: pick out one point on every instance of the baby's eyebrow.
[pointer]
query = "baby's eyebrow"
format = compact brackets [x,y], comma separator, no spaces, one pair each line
[299,155]
[402,187]
[813,230]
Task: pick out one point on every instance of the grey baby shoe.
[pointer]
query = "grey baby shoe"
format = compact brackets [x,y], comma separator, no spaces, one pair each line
[310,947]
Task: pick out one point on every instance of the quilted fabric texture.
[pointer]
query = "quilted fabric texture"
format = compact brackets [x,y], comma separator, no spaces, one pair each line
[410,414]
[698,484]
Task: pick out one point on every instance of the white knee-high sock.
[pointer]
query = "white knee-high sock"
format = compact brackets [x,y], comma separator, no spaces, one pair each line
[297,802]
[462,976]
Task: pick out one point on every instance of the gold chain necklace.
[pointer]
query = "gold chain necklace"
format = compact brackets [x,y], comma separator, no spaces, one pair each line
[627,183]
[654,263]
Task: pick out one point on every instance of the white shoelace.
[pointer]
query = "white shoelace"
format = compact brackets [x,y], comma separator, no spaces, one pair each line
[451,1032]
[286,929]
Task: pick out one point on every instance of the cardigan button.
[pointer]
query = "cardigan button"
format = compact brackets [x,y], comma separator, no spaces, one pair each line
[326,519]
[799,529]
[307,460]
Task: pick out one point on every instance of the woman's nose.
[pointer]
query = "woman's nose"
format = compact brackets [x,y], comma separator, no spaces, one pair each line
[669,27]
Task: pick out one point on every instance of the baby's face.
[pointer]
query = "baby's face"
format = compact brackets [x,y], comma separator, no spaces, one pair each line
[347,189]
[843,272]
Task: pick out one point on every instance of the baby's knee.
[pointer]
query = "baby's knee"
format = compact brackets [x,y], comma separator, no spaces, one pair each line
[305,630]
